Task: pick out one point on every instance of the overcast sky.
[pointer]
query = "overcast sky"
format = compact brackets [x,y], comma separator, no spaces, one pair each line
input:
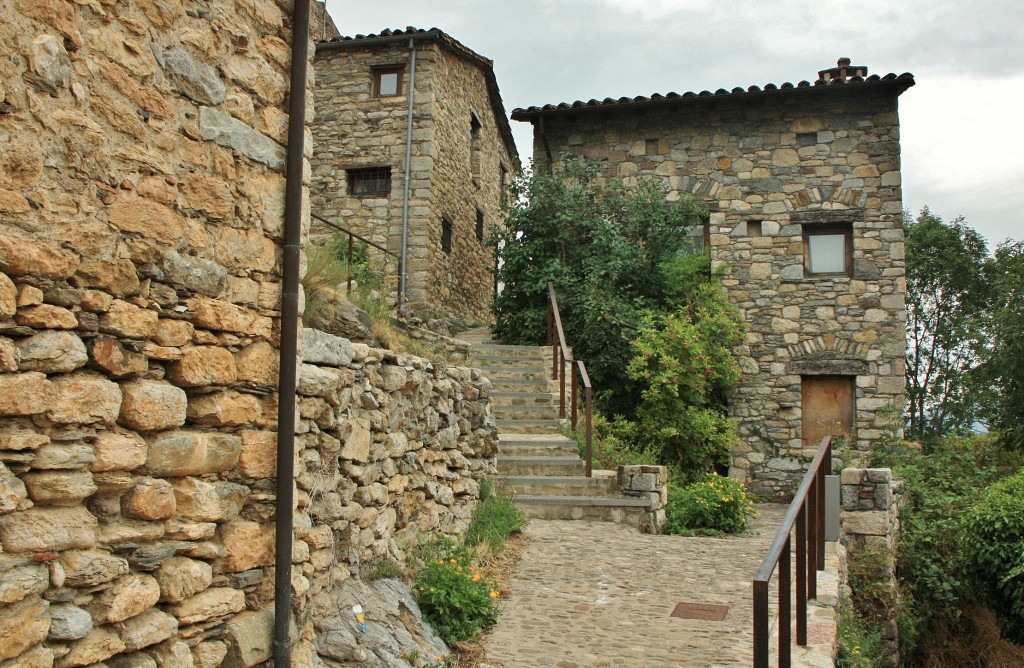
[962,138]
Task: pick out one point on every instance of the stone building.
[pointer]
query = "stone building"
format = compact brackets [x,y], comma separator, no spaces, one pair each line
[803,187]
[413,149]
[143,166]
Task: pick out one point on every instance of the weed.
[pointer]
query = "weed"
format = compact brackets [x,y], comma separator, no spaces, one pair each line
[494,518]
[384,569]
[457,599]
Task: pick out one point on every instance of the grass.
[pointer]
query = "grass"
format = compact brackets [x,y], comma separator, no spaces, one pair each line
[495,518]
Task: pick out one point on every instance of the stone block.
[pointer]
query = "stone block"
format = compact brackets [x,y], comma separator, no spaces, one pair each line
[356,437]
[12,490]
[127,597]
[224,409]
[209,654]
[222,316]
[115,276]
[109,356]
[59,488]
[181,578]
[327,349]
[101,643]
[173,332]
[128,320]
[226,131]
[20,580]
[203,365]
[149,405]
[148,218]
[25,393]
[147,628]
[210,604]
[203,501]
[21,257]
[47,529]
[184,453]
[69,622]
[85,398]
[194,79]
[52,352]
[195,274]
[258,458]
[248,545]
[314,381]
[250,638]
[115,451]
[258,364]
[88,568]
[870,523]
[23,625]
[150,499]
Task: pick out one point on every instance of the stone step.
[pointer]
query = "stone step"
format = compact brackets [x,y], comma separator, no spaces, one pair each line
[603,484]
[501,349]
[540,466]
[527,426]
[514,361]
[621,510]
[538,412]
[507,398]
[521,385]
[566,448]
[515,373]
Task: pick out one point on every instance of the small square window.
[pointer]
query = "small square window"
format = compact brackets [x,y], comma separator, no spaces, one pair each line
[387,81]
[371,182]
[828,250]
[446,235]
[754,229]
[479,225]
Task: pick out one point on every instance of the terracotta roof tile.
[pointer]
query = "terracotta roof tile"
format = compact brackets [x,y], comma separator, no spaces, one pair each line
[900,82]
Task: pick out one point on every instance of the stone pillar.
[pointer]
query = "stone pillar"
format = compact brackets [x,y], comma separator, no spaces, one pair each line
[869,530]
[647,482]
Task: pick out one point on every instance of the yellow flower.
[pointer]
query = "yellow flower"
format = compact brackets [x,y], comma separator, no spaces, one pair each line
[477,577]
[455,561]
[494,594]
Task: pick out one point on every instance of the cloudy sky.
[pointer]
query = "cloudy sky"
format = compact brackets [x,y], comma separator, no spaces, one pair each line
[963,148]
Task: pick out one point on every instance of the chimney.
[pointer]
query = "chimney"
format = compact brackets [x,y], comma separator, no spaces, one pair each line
[843,71]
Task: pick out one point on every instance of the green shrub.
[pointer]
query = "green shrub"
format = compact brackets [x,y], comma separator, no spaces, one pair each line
[993,552]
[494,519]
[613,442]
[384,569]
[860,640]
[713,506]
[457,599]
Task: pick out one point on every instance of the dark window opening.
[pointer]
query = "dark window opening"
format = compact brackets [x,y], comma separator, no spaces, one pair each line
[369,182]
[446,235]
[387,81]
[475,148]
[652,147]
[828,250]
[754,229]
[479,225]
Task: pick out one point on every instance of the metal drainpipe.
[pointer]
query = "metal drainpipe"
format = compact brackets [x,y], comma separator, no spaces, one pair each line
[408,171]
[283,513]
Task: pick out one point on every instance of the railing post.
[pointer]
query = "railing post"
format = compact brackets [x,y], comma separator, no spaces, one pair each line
[823,470]
[348,288]
[785,607]
[590,427]
[760,624]
[574,408]
[801,577]
[812,539]
[561,387]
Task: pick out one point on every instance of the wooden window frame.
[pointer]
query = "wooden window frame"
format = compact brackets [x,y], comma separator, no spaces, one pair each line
[380,71]
[845,229]
[381,175]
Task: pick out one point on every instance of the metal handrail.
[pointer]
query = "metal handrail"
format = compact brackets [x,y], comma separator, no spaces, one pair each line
[560,356]
[351,235]
[806,515]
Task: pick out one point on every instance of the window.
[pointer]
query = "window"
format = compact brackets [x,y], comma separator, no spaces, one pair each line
[475,148]
[446,234]
[754,229]
[828,250]
[370,182]
[479,225]
[387,81]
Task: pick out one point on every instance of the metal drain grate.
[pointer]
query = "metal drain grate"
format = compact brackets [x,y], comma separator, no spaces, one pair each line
[705,611]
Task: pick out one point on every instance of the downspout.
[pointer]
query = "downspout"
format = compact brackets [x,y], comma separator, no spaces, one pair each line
[408,171]
[283,513]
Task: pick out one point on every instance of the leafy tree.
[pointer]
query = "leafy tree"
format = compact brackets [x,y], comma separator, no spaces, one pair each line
[1002,374]
[947,307]
[602,246]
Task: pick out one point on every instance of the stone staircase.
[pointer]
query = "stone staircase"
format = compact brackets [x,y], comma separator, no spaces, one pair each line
[534,458]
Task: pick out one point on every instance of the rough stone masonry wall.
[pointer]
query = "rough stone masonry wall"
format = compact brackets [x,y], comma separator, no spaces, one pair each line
[786,162]
[141,207]
[870,525]
[355,129]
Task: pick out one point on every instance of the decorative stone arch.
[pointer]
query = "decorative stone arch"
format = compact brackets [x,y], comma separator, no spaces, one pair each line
[827,355]
[854,199]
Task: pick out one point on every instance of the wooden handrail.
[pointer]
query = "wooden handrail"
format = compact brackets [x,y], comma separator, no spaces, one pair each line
[366,241]
[806,514]
[560,356]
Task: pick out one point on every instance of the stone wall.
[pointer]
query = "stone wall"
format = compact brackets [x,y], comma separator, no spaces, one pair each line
[870,525]
[768,168]
[354,129]
[141,214]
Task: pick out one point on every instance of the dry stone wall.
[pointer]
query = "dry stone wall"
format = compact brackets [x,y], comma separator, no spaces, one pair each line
[141,214]
[768,169]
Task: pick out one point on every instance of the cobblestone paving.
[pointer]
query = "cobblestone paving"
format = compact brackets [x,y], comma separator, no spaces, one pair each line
[589,594]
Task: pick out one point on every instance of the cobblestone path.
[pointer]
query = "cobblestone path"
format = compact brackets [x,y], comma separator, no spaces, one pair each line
[589,594]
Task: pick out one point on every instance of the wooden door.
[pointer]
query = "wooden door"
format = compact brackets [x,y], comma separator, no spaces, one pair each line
[827,406]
